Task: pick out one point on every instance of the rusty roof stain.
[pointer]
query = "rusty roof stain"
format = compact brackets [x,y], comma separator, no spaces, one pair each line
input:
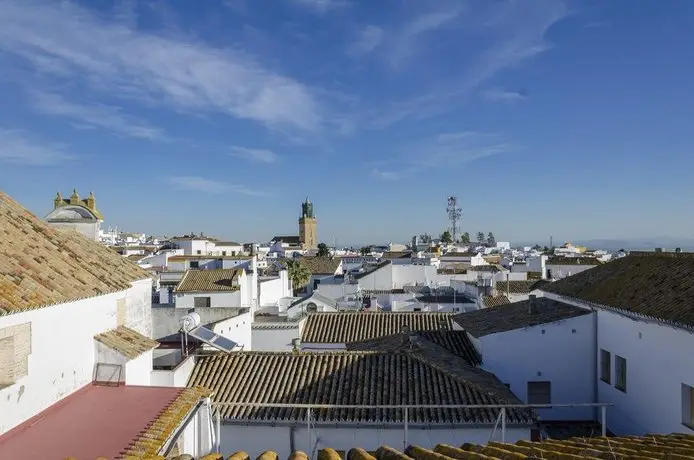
[352,378]
[126,341]
[516,315]
[346,327]
[651,284]
[220,280]
[41,265]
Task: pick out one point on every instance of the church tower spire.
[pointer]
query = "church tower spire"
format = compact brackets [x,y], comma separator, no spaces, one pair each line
[307,226]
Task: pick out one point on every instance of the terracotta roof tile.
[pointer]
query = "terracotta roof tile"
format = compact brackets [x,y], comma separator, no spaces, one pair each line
[223,279]
[455,342]
[520,287]
[127,342]
[352,378]
[41,265]
[516,315]
[494,300]
[397,255]
[321,265]
[656,285]
[674,446]
[345,327]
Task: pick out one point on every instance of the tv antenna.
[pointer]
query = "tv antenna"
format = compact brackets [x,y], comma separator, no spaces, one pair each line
[454,216]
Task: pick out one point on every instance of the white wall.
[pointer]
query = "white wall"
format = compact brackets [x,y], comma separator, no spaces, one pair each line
[277,337]
[217,299]
[62,348]
[658,358]
[88,229]
[197,437]
[237,329]
[562,352]
[176,377]
[135,371]
[272,290]
[562,271]
[255,439]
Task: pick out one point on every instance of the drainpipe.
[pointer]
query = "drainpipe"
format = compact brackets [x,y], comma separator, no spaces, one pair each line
[596,363]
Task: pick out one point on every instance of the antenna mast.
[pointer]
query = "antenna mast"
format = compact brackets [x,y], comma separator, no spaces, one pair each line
[454,216]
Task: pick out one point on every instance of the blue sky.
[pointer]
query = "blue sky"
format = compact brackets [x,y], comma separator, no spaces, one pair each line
[544,118]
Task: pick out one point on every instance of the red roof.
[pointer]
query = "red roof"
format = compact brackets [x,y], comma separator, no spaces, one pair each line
[95,421]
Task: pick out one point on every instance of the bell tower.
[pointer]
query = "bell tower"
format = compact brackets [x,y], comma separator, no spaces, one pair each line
[307,226]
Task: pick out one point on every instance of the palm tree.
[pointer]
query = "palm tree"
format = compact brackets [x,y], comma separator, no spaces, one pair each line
[298,274]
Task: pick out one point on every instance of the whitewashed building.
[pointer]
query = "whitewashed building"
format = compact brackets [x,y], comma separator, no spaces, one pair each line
[213,288]
[76,214]
[559,267]
[75,328]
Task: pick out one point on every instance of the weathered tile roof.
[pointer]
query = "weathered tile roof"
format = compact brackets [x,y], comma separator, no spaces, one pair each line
[127,342]
[562,260]
[460,254]
[520,287]
[456,342]
[42,266]
[223,279]
[494,300]
[352,378]
[286,239]
[516,315]
[672,446]
[183,258]
[321,265]
[656,285]
[397,255]
[345,327]
[454,268]
[154,437]
[487,268]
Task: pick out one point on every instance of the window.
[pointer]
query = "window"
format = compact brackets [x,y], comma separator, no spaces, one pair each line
[416,309]
[620,373]
[199,251]
[194,264]
[224,253]
[15,348]
[201,302]
[605,366]
[688,406]
[539,392]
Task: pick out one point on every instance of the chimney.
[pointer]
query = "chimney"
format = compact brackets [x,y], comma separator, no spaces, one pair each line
[658,249]
[532,304]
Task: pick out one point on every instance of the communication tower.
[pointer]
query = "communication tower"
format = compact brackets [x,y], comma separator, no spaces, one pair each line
[454,216]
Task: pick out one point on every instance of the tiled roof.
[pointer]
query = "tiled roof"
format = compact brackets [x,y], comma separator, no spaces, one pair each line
[42,266]
[286,239]
[520,287]
[223,279]
[460,254]
[455,268]
[561,260]
[656,285]
[382,291]
[321,265]
[456,342]
[380,265]
[487,268]
[127,342]
[345,327]
[494,300]
[352,378]
[183,258]
[154,437]
[516,315]
[672,446]
[227,243]
[397,255]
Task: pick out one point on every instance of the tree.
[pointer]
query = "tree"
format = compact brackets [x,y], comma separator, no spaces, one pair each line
[298,274]
[465,238]
[446,237]
[365,251]
[425,238]
[480,237]
[323,250]
[491,241]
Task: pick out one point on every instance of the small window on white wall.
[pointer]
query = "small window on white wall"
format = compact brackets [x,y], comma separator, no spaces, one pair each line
[539,392]
[620,373]
[688,406]
[605,366]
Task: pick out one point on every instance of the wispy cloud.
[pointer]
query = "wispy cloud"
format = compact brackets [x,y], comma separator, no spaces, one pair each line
[321,6]
[447,150]
[368,39]
[404,41]
[501,95]
[20,148]
[201,184]
[98,115]
[66,41]
[255,155]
